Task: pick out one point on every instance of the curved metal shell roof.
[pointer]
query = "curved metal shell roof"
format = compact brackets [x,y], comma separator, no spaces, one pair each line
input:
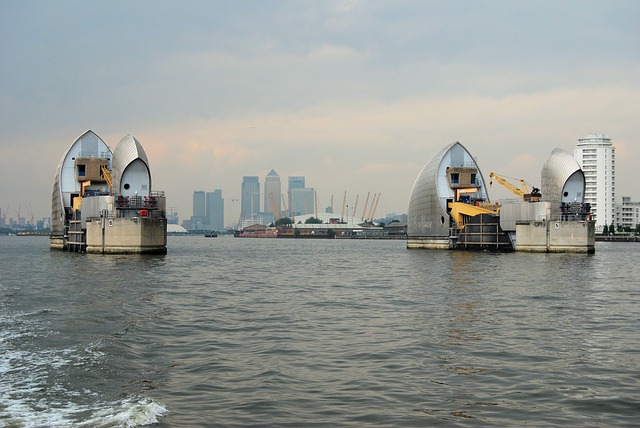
[561,171]
[427,213]
[88,144]
[128,150]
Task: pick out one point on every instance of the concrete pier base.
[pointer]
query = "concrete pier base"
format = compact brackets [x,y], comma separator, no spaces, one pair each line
[429,242]
[555,236]
[141,235]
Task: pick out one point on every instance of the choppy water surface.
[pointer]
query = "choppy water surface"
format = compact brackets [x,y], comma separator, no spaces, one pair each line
[273,332]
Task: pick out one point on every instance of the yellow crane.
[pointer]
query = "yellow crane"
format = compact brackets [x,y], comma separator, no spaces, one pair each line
[366,202]
[374,206]
[522,191]
[370,213]
[355,207]
[106,174]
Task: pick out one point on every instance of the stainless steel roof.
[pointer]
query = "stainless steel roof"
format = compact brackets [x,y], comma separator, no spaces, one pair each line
[562,180]
[557,169]
[87,144]
[128,150]
[427,213]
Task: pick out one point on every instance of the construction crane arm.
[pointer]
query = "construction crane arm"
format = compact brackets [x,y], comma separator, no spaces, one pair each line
[523,191]
[506,184]
[107,175]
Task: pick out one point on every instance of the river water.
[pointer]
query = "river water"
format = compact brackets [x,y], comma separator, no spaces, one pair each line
[276,332]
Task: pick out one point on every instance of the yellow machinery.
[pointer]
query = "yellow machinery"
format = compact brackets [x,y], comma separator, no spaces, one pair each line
[77,201]
[522,192]
[106,174]
[460,211]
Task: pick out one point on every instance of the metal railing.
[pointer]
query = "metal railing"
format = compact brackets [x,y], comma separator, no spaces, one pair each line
[136,202]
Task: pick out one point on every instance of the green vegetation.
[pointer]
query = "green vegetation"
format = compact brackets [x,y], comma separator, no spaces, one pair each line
[313,220]
[283,221]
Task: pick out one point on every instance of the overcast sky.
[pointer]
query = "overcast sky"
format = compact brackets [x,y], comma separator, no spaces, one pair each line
[355,95]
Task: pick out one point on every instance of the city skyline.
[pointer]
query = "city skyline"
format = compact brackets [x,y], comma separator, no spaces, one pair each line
[202,200]
[355,96]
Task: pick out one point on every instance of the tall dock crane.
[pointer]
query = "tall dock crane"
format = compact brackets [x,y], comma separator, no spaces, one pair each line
[364,210]
[522,191]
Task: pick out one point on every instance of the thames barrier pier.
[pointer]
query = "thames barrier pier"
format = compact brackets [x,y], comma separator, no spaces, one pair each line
[449,208]
[102,201]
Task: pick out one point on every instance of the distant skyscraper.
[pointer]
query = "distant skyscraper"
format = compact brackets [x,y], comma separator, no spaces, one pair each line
[199,210]
[215,210]
[302,201]
[596,156]
[295,182]
[273,187]
[250,197]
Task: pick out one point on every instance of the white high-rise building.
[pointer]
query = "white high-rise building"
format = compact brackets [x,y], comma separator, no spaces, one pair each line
[628,215]
[597,158]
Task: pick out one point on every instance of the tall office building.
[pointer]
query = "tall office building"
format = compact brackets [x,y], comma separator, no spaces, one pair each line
[250,197]
[199,210]
[296,182]
[215,210]
[272,189]
[303,201]
[597,158]
[294,199]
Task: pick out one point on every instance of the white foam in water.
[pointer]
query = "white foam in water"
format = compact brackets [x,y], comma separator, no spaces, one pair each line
[25,403]
[20,407]
[127,413]
[132,412]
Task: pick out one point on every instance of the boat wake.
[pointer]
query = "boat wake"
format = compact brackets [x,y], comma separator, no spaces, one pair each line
[38,388]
